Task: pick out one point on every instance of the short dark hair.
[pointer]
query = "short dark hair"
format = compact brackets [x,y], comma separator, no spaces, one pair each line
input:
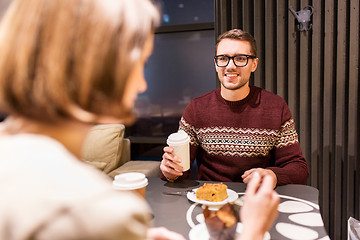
[238,34]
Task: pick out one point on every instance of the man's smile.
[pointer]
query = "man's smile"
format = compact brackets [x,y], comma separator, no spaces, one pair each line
[231,74]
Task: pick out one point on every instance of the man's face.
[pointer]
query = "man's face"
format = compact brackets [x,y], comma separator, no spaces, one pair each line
[231,76]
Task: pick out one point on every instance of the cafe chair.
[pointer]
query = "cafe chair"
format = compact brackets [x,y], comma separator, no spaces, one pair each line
[106,149]
[353,229]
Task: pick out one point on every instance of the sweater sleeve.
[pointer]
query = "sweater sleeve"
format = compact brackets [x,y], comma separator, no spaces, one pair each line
[290,165]
[186,123]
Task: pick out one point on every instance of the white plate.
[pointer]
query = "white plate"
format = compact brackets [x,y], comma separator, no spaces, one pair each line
[200,232]
[232,196]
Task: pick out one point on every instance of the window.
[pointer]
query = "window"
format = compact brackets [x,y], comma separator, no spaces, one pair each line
[181,12]
[180,68]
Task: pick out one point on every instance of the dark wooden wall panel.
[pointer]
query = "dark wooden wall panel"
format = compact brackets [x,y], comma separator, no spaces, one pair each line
[281,35]
[353,167]
[316,96]
[328,117]
[304,90]
[341,116]
[269,50]
[259,16]
[291,46]
[317,73]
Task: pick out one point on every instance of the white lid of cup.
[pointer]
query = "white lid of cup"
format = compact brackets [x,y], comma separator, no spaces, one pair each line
[177,138]
[130,181]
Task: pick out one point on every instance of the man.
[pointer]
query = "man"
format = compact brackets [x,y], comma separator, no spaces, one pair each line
[238,129]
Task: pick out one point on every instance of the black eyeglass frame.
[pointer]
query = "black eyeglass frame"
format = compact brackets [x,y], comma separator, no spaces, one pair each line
[233,58]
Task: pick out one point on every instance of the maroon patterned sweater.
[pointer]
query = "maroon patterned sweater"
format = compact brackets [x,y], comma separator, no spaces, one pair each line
[228,138]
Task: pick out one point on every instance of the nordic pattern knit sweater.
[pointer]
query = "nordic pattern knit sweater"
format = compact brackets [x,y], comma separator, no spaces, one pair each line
[228,138]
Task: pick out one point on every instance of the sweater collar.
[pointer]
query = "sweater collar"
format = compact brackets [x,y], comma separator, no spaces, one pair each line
[250,96]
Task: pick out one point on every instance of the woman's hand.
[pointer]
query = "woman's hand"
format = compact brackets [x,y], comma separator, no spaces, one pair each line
[162,233]
[260,207]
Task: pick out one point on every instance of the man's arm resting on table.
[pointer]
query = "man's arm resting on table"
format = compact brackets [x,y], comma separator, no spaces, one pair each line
[262,172]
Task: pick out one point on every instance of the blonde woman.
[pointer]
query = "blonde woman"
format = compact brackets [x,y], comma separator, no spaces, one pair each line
[66,65]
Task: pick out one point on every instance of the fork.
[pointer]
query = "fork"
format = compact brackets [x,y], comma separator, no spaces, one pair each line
[179,193]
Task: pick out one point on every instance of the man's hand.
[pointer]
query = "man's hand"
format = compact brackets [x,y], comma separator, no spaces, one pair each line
[260,207]
[162,233]
[169,165]
[262,172]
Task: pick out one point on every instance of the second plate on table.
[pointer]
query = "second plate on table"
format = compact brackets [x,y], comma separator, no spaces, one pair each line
[200,232]
[232,196]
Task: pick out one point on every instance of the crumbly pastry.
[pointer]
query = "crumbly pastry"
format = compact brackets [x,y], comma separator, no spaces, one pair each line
[221,224]
[213,192]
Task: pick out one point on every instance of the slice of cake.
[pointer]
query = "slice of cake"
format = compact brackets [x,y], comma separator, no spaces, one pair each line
[213,192]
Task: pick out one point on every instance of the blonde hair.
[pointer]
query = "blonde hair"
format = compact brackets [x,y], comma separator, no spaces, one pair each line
[71,58]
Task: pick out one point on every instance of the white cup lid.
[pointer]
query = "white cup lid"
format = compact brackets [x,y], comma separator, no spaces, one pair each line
[130,181]
[178,138]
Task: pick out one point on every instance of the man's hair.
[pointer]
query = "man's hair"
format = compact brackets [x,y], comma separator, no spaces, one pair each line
[71,58]
[237,34]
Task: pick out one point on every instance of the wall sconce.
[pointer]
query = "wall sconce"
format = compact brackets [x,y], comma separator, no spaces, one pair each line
[303,17]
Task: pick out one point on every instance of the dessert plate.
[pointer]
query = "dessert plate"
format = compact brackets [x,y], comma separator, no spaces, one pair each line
[200,232]
[232,196]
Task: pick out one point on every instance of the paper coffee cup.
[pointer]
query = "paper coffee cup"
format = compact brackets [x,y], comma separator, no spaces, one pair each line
[132,181]
[180,142]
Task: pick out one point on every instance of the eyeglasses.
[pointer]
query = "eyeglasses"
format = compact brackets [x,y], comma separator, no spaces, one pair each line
[240,60]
